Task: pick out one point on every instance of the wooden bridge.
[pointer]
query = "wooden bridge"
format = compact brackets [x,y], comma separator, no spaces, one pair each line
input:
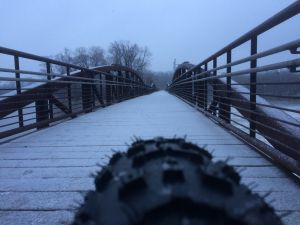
[60,129]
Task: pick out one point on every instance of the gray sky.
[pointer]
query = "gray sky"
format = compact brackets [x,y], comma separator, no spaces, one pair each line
[188,30]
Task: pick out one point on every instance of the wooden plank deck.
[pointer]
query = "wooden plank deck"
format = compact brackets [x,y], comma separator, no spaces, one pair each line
[43,174]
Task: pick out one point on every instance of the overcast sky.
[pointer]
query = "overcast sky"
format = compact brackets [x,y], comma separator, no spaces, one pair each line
[188,30]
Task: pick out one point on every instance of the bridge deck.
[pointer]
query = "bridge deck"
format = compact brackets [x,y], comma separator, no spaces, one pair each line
[43,174]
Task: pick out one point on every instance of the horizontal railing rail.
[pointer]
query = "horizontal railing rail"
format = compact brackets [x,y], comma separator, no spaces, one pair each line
[256,106]
[36,98]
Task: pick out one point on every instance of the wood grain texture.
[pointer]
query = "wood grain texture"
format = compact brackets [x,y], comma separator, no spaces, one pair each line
[44,174]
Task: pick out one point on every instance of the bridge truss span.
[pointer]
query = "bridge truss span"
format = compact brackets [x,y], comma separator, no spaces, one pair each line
[259,102]
[55,90]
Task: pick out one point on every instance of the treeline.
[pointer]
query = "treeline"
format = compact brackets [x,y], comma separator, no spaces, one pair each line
[277,82]
[122,53]
[160,79]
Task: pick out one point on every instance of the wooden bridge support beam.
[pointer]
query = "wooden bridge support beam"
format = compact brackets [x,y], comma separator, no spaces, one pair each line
[253,64]
[127,87]
[226,109]
[120,86]
[19,90]
[48,68]
[214,97]
[69,89]
[205,88]
[108,88]
[87,96]
[114,89]
[199,89]
[42,112]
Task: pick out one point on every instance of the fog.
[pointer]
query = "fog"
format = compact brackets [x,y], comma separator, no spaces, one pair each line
[188,30]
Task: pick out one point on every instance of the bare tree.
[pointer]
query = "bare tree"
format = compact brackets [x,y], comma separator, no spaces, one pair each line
[96,56]
[131,55]
[81,57]
[65,56]
[92,57]
[120,52]
[160,79]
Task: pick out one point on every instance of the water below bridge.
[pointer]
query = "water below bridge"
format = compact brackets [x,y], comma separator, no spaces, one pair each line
[43,174]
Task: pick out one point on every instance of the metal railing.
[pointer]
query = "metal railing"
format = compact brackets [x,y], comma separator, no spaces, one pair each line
[239,99]
[56,90]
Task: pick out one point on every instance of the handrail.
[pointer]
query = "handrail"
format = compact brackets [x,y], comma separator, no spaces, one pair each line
[285,47]
[15,53]
[56,96]
[242,106]
[275,20]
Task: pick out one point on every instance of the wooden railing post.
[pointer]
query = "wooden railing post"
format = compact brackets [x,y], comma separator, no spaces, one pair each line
[108,88]
[120,86]
[100,85]
[114,88]
[199,88]
[134,85]
[18,89]
[103,89]
[86,93]
[193,88]
[253,79]
[48,68]
[205,88]
[69,91]
[43,104]
[127,87]
[42,110]
[228,89]
[185,86]
[93,87]
[215,99]
[225,102]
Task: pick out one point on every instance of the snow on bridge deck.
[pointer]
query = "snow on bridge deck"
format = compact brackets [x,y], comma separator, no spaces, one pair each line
[43,174]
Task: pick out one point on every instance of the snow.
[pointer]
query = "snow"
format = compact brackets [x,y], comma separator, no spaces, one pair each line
[48,169]
[270,112]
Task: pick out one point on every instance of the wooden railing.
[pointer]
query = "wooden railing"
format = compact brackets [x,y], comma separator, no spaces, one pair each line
[35,99]
[243,107]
